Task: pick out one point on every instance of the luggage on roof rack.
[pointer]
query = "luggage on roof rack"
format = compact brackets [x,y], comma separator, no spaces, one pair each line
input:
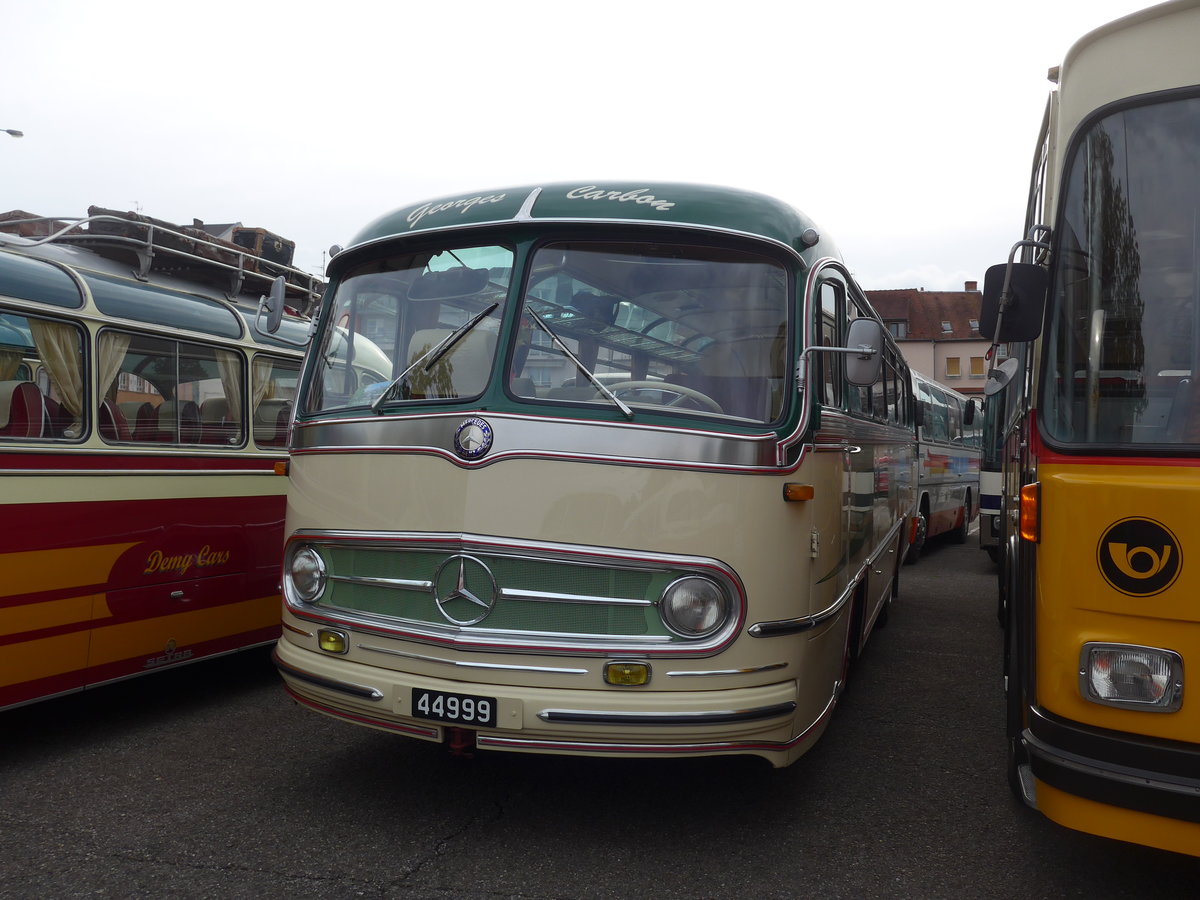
[246,264]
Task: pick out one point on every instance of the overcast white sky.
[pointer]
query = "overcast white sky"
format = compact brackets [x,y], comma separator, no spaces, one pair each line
[905,129]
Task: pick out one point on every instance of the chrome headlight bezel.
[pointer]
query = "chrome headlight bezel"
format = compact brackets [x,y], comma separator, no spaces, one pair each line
[695,607]
[304,575]
[1131,676]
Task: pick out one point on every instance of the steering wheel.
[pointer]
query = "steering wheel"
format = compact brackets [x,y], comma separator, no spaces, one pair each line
[682,392]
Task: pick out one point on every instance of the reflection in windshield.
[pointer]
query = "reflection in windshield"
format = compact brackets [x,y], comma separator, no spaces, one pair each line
[638,326]
[395,312]
[672,328]
[1124,338]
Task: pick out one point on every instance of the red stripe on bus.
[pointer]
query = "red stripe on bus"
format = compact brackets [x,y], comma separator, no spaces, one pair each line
[82,523]
[50,463]
[1044,453]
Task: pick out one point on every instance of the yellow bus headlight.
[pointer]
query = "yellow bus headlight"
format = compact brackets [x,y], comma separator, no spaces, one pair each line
[1131,677]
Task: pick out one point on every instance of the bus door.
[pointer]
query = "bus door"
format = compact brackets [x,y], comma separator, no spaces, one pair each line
[832,446]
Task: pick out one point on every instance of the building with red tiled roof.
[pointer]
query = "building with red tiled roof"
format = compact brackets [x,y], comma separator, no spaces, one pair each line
[938,333]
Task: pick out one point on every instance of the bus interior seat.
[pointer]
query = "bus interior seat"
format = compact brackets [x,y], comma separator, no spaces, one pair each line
[58,419]
[271,420]
[737,376]
[129,409]
[469,361]
[22,409]
[178,422]
[1181,410]
[523,386]
[145,422]
[216,424]
[113,424]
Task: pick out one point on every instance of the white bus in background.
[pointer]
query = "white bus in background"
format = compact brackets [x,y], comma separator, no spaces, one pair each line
[949,440]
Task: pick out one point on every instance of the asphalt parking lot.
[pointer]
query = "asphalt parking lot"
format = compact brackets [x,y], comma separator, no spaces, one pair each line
[207,781]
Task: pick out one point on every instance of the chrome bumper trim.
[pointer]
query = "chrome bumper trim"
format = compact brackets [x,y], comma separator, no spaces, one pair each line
[464,664]
[748,670]
[619,717]
[344,687]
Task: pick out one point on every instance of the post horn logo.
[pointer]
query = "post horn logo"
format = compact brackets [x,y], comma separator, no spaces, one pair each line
[1139,557]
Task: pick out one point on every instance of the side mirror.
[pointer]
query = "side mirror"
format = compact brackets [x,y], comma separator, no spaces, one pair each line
[272,304]
[864,352]
[271,307]
[999,377]
[1014,299]
[969,413]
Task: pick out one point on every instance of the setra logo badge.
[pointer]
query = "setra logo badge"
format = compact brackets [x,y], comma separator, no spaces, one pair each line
[1139,557]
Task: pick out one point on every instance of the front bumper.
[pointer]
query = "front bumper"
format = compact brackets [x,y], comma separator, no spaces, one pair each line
[1158,777]
[760,720]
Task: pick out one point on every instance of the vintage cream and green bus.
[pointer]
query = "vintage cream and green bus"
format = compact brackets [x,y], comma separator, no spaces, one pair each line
[141,421]
[635,482]
[1100,543]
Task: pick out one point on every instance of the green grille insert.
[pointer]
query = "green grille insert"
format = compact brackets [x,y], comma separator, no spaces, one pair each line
[570,595]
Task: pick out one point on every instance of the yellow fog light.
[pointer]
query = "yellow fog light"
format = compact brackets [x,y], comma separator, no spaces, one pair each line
[332,641]
[627,673]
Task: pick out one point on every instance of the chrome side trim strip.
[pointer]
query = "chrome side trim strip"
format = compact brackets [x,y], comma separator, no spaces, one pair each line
[373,581]
[748,670]
[463,664]
[300,631]
[345,687]
[805,623]
[557,597]
[553,435]
[628,717]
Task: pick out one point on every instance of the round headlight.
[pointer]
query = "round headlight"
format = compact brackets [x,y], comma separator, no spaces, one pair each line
[694,606]
[306,575]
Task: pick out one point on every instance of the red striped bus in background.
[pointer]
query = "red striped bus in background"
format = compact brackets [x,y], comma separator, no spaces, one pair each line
[948,451]
[141,420]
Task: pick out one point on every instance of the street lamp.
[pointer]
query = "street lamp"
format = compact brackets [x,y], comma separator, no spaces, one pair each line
[12,132]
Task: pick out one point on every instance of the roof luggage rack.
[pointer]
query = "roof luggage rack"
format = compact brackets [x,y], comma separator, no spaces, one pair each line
[187,252]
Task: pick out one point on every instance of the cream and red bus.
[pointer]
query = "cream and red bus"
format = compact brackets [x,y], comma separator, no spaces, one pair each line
[635,482]
[141,421]
[1100,565]
[948,451]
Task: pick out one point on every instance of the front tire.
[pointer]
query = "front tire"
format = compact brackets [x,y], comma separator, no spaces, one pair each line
[918,541]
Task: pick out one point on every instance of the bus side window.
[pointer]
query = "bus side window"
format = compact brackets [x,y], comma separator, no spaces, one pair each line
[41,365]
[274,393]
[830,363]
[860,397]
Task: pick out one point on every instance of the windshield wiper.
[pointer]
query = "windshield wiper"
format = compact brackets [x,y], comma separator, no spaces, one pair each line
[582,368]
[430,357]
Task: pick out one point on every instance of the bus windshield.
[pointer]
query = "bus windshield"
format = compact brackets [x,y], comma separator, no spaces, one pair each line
[401,316]
[687,328]
[675,328]
[1124,337]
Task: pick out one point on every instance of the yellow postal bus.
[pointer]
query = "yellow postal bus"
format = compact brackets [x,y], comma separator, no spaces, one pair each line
[635,481]
[1100,559]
